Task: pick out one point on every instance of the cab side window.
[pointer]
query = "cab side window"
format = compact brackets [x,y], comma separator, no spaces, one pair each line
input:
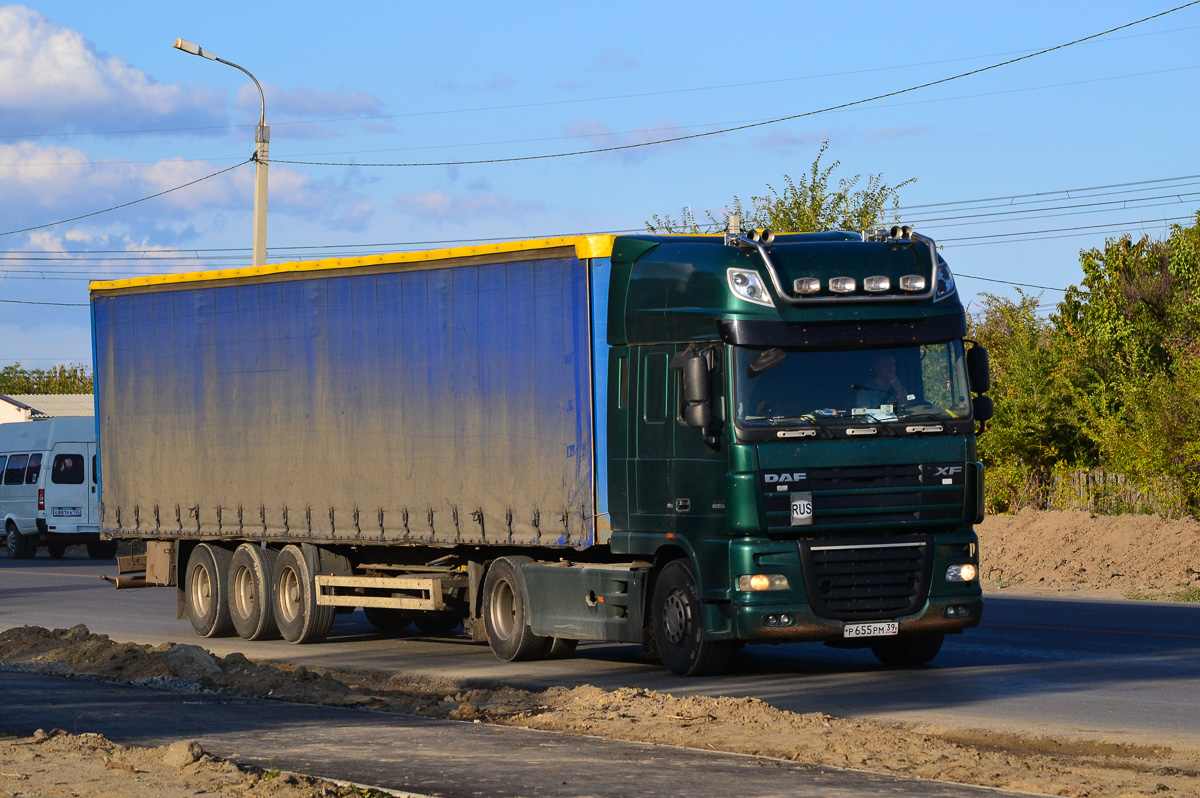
[14,473]
[68,469]
[34,470]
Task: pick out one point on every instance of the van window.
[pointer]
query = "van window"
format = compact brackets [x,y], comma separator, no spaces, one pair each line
[93,469]
[3,457]
[68,469]
[14,473]
[35,469]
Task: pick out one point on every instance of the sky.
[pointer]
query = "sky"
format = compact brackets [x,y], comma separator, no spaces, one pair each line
[1018,168]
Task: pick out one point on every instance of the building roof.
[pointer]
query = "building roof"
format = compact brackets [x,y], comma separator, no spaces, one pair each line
[51,405]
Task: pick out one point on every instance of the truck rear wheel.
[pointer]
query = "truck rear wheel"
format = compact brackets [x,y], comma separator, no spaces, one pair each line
[20,547]
[386,619]
[204,592]
[437,624]
[299,617]
[250,606]
[907,651]
[679,627]
[506,612]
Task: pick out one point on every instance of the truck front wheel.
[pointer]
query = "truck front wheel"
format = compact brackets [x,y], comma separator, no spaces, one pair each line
[204,591]
[506,613]
[299,617]
[679,628]
[907,651]
[250,604]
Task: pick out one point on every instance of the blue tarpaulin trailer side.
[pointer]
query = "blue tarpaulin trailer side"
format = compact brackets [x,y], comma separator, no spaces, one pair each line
[440,403]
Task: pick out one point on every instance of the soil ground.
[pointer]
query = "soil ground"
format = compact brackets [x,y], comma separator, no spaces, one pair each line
[1031,552]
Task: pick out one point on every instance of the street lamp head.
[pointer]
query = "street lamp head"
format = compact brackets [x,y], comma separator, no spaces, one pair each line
[194,49]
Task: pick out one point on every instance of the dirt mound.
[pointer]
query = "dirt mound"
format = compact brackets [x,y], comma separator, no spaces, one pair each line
[1068,551]
[741,725]
[56,763]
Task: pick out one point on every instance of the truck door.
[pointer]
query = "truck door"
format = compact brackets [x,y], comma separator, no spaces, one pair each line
[654,429]
[68,492]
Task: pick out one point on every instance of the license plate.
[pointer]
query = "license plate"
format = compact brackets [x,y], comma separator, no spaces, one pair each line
[67,512]
[802,509]
[877,629]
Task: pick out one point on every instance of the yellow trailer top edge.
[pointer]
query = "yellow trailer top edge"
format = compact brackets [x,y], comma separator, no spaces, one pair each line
[594,246]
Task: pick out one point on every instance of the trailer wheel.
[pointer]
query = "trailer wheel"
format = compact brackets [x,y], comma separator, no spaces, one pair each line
[679,628]
[299,617]
[250,606]
[204,591]
[506,612]
[102,549]
[20,547]
[386,619]
[907,651]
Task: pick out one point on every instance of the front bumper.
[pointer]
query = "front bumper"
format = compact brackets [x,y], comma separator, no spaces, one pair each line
[751,621]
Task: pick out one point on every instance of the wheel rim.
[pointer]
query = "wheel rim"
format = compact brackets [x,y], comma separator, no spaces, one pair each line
[503,609]
[289,595]
[675,617]
[245,597]
[202,590]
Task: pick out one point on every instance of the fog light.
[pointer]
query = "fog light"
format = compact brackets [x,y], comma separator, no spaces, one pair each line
[957,611]
[842,285]
[961,573]
[912,282]
[753,583]
[806,285]
[778,620]
[877,284]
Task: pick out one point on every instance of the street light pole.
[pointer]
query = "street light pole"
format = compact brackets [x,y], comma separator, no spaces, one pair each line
[262,141]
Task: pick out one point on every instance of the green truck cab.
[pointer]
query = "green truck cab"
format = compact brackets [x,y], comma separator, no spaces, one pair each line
[754,442]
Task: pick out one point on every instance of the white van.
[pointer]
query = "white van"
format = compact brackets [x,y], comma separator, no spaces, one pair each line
[48,487]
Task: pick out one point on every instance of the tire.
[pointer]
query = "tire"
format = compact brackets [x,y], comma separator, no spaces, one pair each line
[204,593]
[103,549]
[20,547]
[387,620]
[907,651]
[251,606]
[294,590]
[560,648]
[437,624]
[679,629]
[57,550]
[506,613]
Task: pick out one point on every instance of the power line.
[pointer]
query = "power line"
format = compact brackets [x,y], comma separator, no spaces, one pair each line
[1066,191]
[751,125]
[1008,282]
[55,304]
[133,202]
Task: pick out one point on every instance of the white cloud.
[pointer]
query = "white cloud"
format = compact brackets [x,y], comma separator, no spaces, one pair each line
[52,78]
[49,183]
[441,208]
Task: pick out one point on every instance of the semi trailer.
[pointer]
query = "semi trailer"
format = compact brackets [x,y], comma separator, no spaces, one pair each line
[691,443]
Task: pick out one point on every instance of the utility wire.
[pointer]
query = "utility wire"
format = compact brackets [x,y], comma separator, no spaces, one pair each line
[133,202]
[55,304]
[752,125]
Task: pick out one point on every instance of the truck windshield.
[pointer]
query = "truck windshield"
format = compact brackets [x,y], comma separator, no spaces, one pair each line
[926,382]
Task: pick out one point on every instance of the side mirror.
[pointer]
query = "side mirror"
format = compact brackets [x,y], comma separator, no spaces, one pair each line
[979,370]
[983,407]
[697,409]
[766,360]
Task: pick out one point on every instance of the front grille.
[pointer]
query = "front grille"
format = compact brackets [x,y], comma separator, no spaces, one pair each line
[851,498]
[867,579]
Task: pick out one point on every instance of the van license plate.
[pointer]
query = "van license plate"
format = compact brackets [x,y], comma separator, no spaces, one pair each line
[802,509]
[877,629]
[67,512]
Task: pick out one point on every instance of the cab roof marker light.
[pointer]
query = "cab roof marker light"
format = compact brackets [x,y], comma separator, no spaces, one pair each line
[843,285]
[748,285]
[807,285]
[913,282]
[877,284]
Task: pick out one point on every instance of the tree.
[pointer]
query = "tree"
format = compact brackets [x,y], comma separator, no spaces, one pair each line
[804,205]
[68,378]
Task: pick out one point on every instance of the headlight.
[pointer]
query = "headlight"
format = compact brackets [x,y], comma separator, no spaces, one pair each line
[755,583]
[945,282]
[748,285]
[961,573]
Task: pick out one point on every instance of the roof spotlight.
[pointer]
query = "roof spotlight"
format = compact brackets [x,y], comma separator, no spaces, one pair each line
[895,231]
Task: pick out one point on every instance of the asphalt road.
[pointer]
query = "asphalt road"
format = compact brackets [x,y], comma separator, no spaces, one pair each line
[1118,669]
